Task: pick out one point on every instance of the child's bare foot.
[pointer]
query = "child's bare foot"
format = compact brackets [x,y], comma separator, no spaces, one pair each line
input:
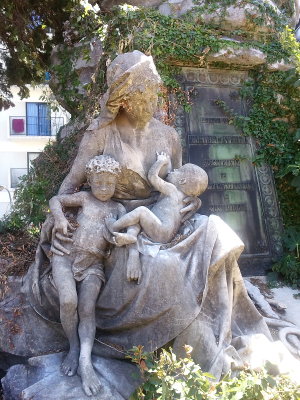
[121,239]
[90,381]
[69,365]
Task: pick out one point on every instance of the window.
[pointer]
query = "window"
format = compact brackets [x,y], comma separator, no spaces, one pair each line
[15,176]
[31,157]
[38,119]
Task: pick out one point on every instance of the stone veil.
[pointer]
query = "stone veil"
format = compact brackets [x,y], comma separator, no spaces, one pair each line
[191,290]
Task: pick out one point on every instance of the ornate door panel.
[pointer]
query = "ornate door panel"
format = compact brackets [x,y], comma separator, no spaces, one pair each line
[241,194]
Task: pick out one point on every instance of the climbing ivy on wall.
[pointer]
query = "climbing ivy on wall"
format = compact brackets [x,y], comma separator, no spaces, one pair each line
[274,121]
[171,41]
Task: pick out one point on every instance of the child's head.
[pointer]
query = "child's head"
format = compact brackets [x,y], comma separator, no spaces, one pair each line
[189,179]
[102,174]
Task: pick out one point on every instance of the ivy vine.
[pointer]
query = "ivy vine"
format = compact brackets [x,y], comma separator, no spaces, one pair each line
[171,41]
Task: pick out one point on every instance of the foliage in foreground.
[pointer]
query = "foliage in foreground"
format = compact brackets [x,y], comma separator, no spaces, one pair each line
[168,378]
[289,266]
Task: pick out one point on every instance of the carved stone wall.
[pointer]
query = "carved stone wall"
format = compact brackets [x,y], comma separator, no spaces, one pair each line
[239,192]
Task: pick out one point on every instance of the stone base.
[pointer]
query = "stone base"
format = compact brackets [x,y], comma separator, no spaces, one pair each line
[41,379]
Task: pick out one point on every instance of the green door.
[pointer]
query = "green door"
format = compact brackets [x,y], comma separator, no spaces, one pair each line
[235,191]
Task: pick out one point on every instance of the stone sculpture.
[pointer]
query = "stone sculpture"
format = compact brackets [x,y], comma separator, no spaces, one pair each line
[191,291]
[162,222]
[84,264]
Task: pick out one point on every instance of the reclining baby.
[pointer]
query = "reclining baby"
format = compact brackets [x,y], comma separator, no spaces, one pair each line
[163,221]
[79,275]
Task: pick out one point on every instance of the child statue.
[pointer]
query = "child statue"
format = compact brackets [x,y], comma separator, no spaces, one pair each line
[163,221]
[79,275]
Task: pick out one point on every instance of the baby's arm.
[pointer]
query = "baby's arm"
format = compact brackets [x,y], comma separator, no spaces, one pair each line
[56,205]
[158,183]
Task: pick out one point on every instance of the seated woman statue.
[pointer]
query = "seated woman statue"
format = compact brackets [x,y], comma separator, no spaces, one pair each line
[191,290]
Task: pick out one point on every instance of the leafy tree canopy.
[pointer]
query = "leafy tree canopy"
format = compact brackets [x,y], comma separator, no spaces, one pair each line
[29,29]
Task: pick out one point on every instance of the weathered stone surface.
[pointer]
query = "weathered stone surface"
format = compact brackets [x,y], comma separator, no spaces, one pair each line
[235,17]
[240,56]
[7,360]
[85,68]
[176,8]
[41,379]
[22,331]
[280,66]
[238,18]
[108,4]
[259,300]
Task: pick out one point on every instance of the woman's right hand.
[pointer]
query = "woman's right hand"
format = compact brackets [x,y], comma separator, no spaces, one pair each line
[192,205]
[62,232]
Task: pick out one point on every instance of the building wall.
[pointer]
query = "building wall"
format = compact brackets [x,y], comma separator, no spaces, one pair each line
[14,149]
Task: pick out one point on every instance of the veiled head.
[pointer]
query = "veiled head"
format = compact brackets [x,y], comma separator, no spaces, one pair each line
[133,84]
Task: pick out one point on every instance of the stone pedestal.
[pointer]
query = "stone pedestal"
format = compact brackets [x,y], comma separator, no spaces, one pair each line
[41,379]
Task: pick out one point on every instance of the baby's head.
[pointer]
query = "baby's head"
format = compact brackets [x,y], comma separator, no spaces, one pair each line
[189,179]
[102,174]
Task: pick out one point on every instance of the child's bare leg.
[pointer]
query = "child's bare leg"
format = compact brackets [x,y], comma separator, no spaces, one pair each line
[122,239]
[130,237]
[66,287]
[88,293]
[149,222]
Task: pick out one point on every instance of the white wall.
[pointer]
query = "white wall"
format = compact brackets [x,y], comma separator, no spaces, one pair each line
[14,149]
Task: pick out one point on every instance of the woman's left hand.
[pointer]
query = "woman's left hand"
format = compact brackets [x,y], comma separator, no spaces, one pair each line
[192,205]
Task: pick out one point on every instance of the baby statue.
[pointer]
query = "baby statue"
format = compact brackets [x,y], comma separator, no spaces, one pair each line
[79,275]
[163,221]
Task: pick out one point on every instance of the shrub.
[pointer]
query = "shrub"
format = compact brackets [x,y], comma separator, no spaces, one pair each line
[168,378]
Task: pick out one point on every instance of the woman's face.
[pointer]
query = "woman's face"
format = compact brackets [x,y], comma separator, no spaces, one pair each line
[139,107]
